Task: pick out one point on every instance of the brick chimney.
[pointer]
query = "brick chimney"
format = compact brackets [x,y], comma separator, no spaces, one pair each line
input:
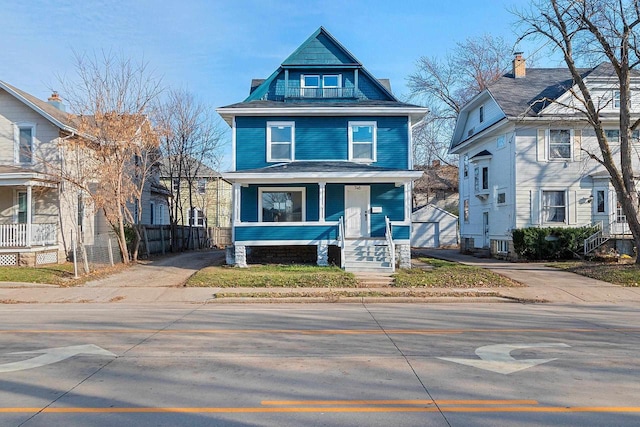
[56,101]
[519,66]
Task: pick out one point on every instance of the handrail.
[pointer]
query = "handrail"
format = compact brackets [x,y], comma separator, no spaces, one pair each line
[392,246]
[596,239]
[341,241]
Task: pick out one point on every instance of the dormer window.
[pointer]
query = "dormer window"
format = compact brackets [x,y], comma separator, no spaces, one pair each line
[321,86]
[310,85]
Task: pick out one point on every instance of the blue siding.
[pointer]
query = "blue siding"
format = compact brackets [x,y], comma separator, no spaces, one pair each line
[391,199]
[334,202]
[249,202]
[321,138]
[401,232]
[370,90]
[318,51]
[287,232]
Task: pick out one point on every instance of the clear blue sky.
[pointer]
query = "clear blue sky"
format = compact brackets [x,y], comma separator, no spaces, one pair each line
[214,48]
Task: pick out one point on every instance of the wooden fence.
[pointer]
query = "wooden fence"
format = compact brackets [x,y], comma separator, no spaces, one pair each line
[160,239]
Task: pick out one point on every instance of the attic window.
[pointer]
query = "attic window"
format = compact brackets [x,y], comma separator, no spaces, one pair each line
[481,113]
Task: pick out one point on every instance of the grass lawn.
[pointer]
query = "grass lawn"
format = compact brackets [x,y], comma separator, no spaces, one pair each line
[293,276]
[619,274]
[450,274]
[55,274]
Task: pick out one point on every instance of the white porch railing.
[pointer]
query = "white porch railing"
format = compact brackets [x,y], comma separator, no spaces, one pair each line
[15,235]
[342,242]
[392,246]
[596,239]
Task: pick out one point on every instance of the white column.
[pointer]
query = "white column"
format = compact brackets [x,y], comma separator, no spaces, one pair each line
[236,203]
[28,216]
[407,201]
[321,201]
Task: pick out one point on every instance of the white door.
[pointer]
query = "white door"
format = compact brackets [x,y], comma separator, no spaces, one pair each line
[356,210]
[425,235]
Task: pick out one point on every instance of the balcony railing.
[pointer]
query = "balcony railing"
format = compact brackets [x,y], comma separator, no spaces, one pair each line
[321,93]
[15,235]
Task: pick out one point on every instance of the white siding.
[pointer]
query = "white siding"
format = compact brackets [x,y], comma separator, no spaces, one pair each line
[492,113]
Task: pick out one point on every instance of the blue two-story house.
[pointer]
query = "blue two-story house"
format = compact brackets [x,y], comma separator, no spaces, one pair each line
[322,163]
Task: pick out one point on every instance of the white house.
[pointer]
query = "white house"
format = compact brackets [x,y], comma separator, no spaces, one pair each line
[523,157]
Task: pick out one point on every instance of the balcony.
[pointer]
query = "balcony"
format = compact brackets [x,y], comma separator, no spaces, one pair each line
[16,236]
[321,93]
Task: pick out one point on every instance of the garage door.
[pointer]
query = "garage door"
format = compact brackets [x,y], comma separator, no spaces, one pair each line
[425,235]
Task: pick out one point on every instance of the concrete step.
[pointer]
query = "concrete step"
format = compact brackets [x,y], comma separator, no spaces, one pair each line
[366,269]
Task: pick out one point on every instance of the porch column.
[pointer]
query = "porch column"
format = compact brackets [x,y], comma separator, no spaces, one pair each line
[407,201]
[323,254]
[321,201]
[236,203]
[28,216]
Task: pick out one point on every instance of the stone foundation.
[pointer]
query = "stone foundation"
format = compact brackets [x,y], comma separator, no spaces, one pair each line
[403,256]
[323,255]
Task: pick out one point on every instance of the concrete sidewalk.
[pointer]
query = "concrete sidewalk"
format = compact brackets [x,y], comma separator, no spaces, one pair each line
[162,280]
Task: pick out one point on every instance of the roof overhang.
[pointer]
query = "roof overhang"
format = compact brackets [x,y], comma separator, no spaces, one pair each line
[484,132]
[415,113]
[315,177]
[24,179]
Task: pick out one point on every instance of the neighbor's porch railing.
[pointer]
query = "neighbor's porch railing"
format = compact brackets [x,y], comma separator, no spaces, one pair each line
[15,235]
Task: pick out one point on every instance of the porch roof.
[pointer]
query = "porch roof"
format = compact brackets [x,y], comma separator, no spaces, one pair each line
[17,176]
[333,171]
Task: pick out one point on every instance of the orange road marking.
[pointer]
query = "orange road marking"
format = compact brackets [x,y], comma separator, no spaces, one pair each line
[399,402]
[484,409]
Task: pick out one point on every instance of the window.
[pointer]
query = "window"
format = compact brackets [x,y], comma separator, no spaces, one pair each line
[280,141]
[502,246]
[613,135]
[559,144]
[24,137]
[152,213]
[202,185]
[80,211]
[466,165]
[282,204]
[22,207]
[466,210]
[309,85]
[481,179]
[616,99]
[196,217]
[481,113]
[502,198]
[362,141]
[554,208]
[175,184]
[500,141]
[600,201]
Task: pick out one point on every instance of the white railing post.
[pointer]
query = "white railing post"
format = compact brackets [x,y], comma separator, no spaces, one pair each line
[341,241]
[392,247]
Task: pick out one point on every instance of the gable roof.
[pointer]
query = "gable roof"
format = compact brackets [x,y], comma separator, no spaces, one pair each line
[54,115]
[320,50]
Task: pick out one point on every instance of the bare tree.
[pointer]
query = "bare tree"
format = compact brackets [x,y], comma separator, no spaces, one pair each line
[191,139]
[446,85]
[111,97]
[598,30]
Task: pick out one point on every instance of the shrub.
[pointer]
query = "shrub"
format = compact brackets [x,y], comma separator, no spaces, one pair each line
[550,243]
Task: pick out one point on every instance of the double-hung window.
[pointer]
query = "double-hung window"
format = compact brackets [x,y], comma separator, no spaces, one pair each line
[286,204]
[280,141]
[24,135]
[362,141]
[202,185]
[554,207]
[559,144]
[616,99]
[613,135]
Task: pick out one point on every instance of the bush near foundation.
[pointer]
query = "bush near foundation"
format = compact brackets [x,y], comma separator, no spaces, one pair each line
[552,243]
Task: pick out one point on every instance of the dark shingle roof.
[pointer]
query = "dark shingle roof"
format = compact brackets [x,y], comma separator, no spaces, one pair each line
[362,103]
[55,113]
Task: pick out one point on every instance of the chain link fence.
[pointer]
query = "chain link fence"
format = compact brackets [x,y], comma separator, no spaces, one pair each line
[102,253]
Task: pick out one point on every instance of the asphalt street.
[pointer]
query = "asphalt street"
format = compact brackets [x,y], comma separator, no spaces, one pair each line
[319,365]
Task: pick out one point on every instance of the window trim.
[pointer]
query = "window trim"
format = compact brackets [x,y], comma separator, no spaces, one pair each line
[339,76]
[201,185]
[595,201]
[302,81]
[465,166]
[16,141]
[615,100]
[542,206]
[374,141]
[548,145]
[303,190]
[270,124]
[504,192]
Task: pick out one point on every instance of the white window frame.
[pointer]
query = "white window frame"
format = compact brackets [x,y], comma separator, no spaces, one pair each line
[16,141]
[465,166]
[502,247]
[303,190]
[16,205]
[609,140]
[604,210]
[374,141]
[270,144]
[615,99]
[304,87]
[339,76]
[465,210]
[548,147]
[542,206]
[478,179]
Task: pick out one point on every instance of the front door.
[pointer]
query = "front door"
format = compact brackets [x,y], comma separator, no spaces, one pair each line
[356,210]
[485,229]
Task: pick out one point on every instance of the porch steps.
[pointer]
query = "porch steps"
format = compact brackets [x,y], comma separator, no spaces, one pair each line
[367,256]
